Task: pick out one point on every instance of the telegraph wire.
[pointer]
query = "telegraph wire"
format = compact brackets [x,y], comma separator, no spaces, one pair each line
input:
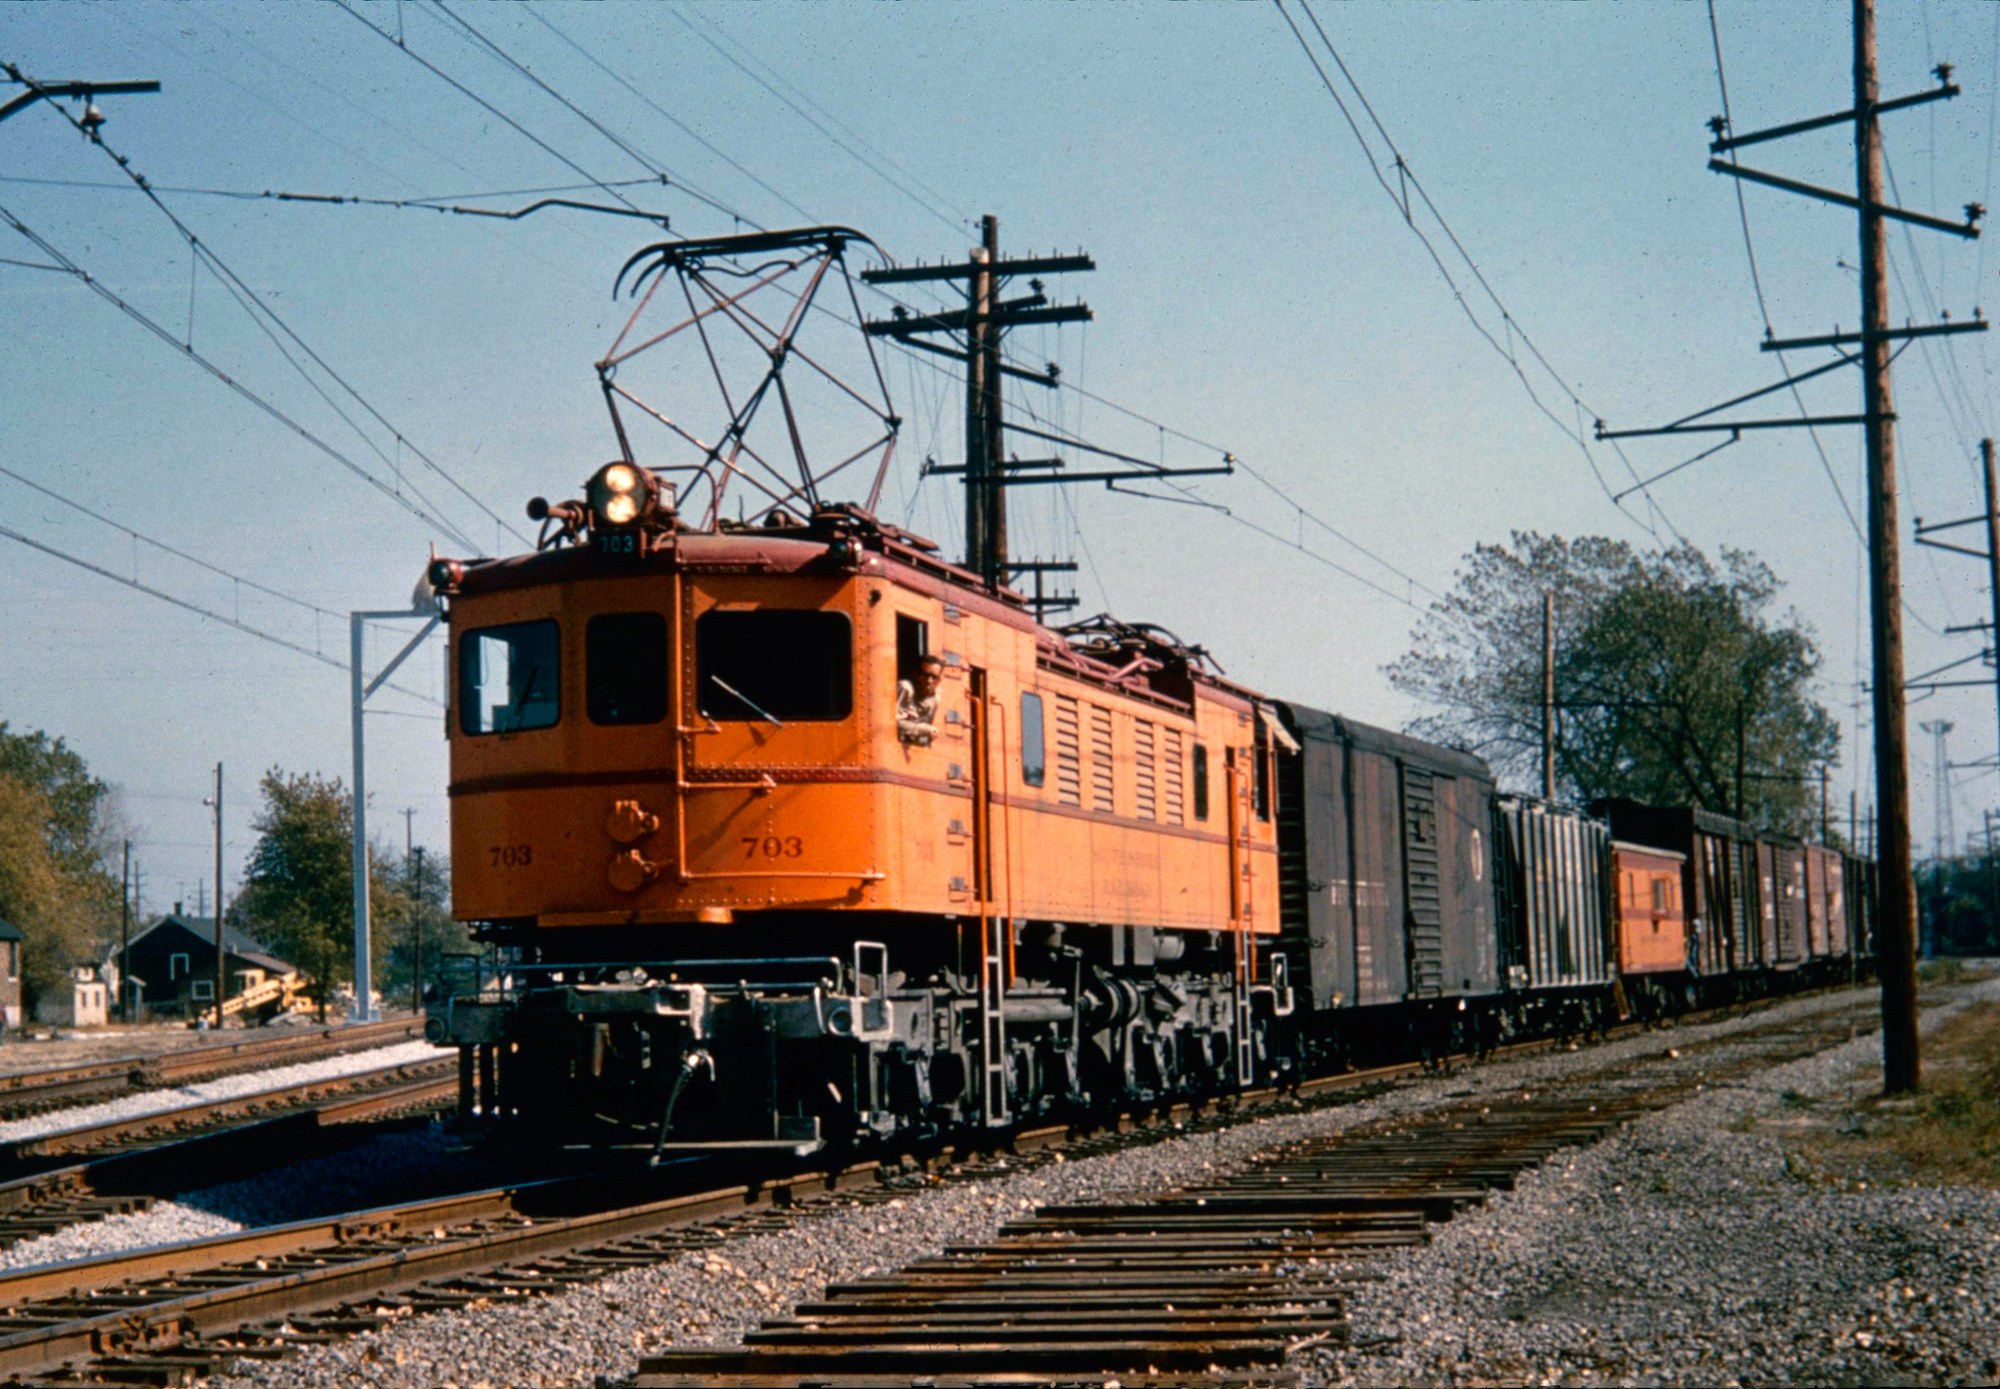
[1510,326]
[196,608]
[1770,331]
[164,335]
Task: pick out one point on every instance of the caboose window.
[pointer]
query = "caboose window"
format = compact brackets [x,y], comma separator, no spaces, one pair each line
[625,668]
[508,678]
[1034,753]
[774,664]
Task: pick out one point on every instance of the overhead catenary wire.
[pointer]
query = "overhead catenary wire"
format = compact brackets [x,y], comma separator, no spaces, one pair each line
[643,160]
[98,288]
[956,222]
[188,606]
[265,317]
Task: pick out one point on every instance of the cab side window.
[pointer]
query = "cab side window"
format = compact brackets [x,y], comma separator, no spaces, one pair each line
[625,668]
[509,678]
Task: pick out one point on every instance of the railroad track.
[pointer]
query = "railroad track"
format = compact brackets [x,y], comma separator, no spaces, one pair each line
[37,1092]
[386,1090]
[127,1181]
[1236,1275]
[1214,1285]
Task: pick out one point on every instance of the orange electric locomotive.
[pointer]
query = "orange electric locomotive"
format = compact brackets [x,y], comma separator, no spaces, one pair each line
[797,832]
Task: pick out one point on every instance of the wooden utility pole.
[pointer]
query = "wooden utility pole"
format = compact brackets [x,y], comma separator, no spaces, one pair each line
[1993,560]
[1902,1070]
[981,463]
[125,935]
[220,971]
[1548,696]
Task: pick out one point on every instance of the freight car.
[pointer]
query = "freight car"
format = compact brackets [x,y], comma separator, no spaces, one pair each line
[796,833]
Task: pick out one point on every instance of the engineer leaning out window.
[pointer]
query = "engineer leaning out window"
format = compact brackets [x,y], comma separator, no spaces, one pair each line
[917,703]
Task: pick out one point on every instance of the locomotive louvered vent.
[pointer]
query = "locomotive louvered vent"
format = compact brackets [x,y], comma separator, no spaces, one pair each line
[1101,784]
[1420,858]
[1173,776]
[1069,771]
[1143,785]
[1293,890]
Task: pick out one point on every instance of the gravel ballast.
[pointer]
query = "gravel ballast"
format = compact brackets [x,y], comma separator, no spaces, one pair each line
[1684,1250]
[226,1087]
[712,1297]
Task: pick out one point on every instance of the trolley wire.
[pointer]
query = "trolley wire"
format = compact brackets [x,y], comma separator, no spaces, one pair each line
[225,619]
[98,288]
[265,317]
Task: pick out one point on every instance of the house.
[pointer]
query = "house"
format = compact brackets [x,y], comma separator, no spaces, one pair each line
[10,976]
[168,969]
[83,1004]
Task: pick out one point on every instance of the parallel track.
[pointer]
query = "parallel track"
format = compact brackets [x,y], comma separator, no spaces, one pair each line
[36,1092]
[1183,1283]
[129,1179]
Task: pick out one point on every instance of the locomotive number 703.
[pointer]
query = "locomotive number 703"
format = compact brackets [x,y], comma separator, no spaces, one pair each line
[773,846]
[512,855]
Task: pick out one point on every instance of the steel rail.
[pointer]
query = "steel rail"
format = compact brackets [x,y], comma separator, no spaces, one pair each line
[26,1152]
[32,1092]
[102,1307]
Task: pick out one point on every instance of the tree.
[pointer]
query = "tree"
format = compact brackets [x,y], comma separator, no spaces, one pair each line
[75,800]
[1674,684]
[426,918]
[52,882]
[298,887]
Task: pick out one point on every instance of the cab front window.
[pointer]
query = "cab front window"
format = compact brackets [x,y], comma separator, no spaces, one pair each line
[508,678]
[774,665]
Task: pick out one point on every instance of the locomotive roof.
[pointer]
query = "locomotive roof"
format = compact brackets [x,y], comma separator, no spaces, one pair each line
[1316,725]
[891,553]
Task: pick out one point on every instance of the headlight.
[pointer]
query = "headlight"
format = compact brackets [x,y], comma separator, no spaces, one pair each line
[620,477]
[620,508]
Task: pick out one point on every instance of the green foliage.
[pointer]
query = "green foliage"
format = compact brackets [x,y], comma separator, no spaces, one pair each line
[425,920]
[1959,902]
[298,887]
[1661,657]
[52,885]
[75,800]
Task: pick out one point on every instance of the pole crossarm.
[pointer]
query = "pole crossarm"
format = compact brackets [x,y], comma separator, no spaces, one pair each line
[1955,549]
[1020,265]
[1977,324]
[1968,229]
[1051,377]
[1012,314]
[1686,423]
[1803,422]
[1945,90]
[1224,470]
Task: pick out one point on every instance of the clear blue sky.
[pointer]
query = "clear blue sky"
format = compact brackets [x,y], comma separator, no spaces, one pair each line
[1257,290]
